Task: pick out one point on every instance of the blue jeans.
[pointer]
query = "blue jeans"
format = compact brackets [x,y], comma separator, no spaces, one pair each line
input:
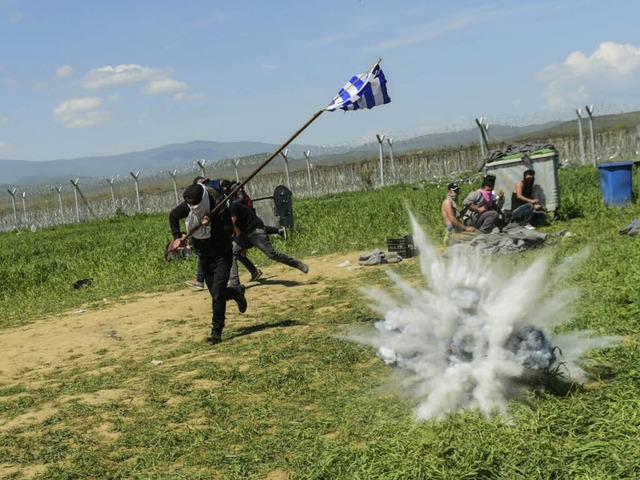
[527,215]
[259,239]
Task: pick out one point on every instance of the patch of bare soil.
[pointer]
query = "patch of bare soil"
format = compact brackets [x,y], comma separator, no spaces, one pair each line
[142,326]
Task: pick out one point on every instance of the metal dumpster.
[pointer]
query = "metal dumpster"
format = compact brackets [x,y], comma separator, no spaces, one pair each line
[509,169]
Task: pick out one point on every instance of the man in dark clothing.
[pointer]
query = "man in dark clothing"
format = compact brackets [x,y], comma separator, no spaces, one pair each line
[250,232]
[213,242]
[243,197]
[524,206]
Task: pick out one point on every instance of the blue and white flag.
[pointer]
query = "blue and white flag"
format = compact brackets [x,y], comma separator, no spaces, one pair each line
[366,90]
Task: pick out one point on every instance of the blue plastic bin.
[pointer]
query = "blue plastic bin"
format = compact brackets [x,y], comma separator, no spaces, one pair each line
[615,181]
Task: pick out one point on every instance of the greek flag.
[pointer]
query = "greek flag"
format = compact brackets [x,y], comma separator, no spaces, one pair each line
[366,90]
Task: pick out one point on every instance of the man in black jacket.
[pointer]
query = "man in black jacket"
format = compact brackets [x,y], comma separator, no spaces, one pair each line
[250,232]
[213,242]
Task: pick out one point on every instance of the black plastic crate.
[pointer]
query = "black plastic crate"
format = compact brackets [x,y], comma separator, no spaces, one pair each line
[402,246]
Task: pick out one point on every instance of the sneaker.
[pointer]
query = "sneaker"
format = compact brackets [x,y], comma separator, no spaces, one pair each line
[241,300]
[282,231]
[215,336]
[195,284]
[528,226]
[303,267]
[256,275]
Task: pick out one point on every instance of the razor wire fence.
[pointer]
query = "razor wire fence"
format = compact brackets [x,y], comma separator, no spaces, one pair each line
[46,206]
[39,206]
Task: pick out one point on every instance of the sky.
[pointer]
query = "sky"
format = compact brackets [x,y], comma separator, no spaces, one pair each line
[85,78]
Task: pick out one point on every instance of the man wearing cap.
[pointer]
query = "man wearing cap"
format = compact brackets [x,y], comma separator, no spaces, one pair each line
[456,230]
[211,238]
[480,209]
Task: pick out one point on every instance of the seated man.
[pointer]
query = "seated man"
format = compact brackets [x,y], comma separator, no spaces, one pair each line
[480,209]
[498,196]
[525,209]
[456,230]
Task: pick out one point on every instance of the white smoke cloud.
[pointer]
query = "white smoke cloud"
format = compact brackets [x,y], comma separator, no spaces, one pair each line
[82,112]
[474,331]
[612,71]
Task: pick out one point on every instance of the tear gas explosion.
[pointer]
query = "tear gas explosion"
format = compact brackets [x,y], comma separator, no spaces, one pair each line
[474,333]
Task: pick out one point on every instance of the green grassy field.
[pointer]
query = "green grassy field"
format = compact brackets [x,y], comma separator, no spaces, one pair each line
[301,403]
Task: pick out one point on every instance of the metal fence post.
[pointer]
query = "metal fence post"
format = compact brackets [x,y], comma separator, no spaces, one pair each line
[24,207]
[75,194]
[201,164]
[284,154]
[579,112]
[135,179]
[380,140]
[589,109]
[236,162]
[175,186]
[13,203]
[113,195]
[393,166]
[59,190]
[307,154]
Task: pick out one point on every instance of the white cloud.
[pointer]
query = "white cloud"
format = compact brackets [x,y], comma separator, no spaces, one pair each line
[187,96]
[109,77]
[10,82]
[4,120]
[82,112]
[157,81]
[424,32]
[165,86]
[64,71]
[612,71]
[462,20]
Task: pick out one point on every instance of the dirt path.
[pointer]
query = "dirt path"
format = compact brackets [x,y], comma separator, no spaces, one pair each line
[143,325]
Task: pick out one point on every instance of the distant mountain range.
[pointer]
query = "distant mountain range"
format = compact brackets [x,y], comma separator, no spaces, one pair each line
[170,157]
[183,157]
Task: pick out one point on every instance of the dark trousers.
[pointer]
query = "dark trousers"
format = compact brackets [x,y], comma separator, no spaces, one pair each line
[216,271]
[200,273]
[527,214]
[258,238]
[487,221]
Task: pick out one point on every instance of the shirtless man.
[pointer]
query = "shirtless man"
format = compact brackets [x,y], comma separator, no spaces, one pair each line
[456,230]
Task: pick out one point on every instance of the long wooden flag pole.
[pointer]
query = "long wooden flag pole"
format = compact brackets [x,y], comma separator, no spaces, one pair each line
[273,155]
[256,171]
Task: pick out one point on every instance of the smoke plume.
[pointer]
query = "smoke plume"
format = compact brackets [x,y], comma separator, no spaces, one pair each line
[470,334]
